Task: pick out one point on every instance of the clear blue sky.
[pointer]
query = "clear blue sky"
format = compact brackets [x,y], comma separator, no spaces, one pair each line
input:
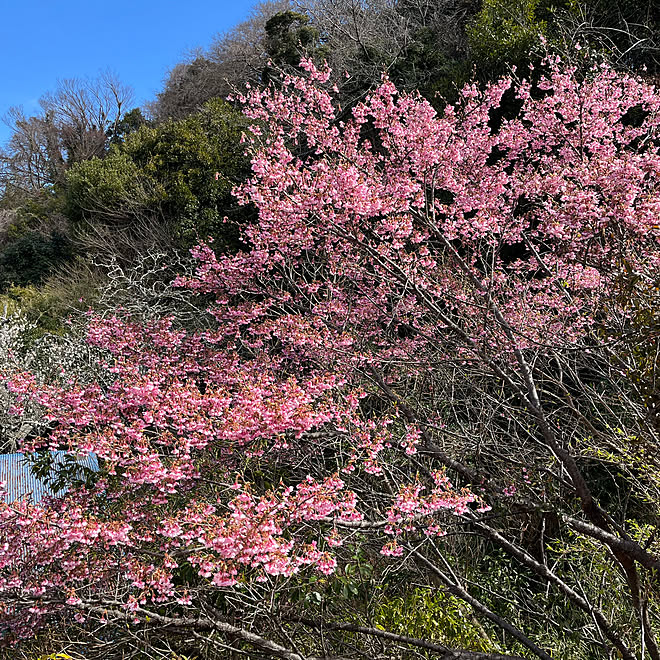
[139,40]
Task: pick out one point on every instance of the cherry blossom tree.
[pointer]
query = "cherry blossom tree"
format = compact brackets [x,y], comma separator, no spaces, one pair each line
[434,354]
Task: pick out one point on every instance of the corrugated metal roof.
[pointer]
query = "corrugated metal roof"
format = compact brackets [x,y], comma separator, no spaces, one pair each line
[20,483]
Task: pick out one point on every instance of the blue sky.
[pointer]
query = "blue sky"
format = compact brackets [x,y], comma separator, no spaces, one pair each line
[138,40]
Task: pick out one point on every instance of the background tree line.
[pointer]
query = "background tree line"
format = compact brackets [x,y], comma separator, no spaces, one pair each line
[90,170]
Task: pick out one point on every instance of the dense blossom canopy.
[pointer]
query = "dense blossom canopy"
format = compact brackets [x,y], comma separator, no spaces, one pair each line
[393,243]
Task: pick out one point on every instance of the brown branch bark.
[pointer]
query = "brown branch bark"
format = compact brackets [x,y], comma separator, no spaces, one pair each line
[443,652]
[459,592]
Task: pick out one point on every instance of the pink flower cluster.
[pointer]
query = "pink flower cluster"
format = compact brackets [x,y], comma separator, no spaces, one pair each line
[379,254]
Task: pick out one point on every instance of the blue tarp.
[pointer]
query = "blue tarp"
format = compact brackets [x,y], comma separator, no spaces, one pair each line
[20,483]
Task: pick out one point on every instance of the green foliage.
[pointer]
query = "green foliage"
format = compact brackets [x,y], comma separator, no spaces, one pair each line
[37,307]
[437,74]
[362,590]
[42,212]
[32,257]
[48,307]
[166,174]
[182,156]
[67,473]
[505,31]
[289,36]
[111,189]
[518,596]
[35,242]
[431,614]
[130,123]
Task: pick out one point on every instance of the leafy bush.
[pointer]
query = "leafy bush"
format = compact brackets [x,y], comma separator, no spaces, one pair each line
[505,31]
[426,613]
[32,257]
[163,177]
